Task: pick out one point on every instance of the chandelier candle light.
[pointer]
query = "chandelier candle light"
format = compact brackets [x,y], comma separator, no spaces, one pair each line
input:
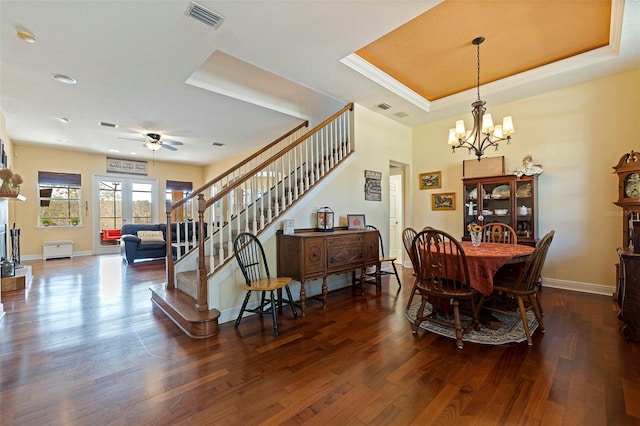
[484,133]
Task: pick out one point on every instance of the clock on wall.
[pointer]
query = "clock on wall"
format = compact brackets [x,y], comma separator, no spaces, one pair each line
[628,171]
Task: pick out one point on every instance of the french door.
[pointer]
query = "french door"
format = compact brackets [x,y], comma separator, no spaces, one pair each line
[118,200]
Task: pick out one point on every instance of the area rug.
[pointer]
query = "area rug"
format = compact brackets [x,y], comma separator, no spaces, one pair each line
[511,331]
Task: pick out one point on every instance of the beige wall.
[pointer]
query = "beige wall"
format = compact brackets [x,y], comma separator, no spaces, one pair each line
[578,134]
[29,159]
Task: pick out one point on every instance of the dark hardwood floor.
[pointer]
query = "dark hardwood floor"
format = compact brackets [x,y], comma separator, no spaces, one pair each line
[83,346]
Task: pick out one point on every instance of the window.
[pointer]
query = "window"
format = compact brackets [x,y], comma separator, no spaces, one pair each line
[59,199]
[176,191]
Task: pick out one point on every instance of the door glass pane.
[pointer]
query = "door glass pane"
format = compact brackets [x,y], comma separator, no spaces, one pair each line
[110,205]
[141,203]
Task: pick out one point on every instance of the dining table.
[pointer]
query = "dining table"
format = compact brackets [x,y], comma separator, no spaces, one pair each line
[487,258]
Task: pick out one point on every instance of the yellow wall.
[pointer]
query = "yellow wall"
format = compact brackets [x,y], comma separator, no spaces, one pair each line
[578,134]
[29,159]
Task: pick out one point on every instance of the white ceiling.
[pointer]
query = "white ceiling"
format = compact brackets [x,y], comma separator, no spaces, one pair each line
[147,67]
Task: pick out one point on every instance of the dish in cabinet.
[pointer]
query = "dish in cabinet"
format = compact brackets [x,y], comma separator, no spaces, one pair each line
[524,190]
[501,191]
[473,194]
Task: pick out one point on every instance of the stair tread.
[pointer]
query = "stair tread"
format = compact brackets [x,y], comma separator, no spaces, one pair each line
[183,304]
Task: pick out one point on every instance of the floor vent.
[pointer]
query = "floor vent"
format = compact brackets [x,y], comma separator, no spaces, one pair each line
[203,15]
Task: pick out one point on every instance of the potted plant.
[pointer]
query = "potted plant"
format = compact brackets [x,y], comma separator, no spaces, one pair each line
[46,221]
[74,221]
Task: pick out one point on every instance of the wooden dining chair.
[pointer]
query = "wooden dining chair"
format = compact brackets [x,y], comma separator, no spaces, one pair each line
[498,232]
[523,288]
[383,259]
[443,281]
[253,264]
[407,239]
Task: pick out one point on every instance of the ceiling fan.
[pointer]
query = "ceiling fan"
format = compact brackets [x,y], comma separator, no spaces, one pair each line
[154,142]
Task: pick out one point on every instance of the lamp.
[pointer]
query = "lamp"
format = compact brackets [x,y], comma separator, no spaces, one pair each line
[484,134]
[153,146]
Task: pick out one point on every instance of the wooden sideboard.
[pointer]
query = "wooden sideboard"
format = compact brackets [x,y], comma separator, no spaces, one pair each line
[629,293]
[307,255]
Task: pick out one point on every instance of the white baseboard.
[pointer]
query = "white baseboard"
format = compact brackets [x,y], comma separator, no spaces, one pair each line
[39,256]
[604,290]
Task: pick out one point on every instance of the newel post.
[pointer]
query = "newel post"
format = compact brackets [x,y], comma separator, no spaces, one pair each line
[171,275]
[202,296]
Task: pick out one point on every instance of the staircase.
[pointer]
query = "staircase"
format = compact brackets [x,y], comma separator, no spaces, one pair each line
[248,197]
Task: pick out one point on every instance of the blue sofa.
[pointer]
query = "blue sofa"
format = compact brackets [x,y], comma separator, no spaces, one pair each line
[133,248]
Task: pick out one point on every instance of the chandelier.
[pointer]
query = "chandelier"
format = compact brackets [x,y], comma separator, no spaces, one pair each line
[484,134]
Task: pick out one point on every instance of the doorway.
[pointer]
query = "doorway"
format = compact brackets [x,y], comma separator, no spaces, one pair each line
[396,211]
[118,200]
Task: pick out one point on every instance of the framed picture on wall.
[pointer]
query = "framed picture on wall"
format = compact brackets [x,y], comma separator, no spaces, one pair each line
[430,180]
[443,201]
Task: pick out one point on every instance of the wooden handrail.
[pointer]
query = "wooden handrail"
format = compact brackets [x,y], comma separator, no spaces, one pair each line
[279,154]
[237,166]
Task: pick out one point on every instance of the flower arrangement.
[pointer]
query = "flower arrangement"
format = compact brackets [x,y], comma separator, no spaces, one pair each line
[475,231]
[6,175]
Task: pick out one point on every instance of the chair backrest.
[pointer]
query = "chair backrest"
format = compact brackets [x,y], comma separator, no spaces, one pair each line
[530,275]
[498,232]
[407,239]
[251,258]
[373,228]
[441,262]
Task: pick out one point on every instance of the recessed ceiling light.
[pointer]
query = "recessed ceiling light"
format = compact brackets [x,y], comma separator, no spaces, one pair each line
[63,78]
[114,150]
[26,36]
[63,120]
[62,140]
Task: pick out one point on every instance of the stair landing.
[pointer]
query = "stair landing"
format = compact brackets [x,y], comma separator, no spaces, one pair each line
[180,308]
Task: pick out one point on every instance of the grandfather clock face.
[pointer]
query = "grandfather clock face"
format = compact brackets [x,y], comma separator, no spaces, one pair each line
[632,186]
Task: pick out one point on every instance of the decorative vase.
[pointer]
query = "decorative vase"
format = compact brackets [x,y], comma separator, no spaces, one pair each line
[476,238]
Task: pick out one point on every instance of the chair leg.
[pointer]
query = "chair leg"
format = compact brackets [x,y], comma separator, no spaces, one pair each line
[244,305]
[274,313]
[525,323]
[419,317]
[457,323]
[293,307]
[537,309]
[413,293]
[395,271]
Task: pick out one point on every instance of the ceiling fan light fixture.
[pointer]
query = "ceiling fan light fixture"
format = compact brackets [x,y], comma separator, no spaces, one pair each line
[153,146]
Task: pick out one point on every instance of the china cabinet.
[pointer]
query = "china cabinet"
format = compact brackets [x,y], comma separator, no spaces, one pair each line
[507,199]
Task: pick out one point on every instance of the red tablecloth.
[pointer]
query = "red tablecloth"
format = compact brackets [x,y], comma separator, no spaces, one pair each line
[485,260]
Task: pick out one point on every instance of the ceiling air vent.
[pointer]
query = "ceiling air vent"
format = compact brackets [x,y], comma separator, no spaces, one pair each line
[203,15]
[401,114]
[105,124]
[384,106]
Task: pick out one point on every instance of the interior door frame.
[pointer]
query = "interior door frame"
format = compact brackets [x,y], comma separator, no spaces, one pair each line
[127,181]
[400,169]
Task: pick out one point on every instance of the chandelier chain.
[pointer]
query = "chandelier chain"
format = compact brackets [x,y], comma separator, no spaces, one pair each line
[478,65]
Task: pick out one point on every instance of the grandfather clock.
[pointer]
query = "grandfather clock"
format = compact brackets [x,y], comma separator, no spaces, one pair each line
[628,285]
[628,170]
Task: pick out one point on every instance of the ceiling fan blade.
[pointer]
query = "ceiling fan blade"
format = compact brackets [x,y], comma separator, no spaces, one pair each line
[131,139]
[176,143]
[169,147]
